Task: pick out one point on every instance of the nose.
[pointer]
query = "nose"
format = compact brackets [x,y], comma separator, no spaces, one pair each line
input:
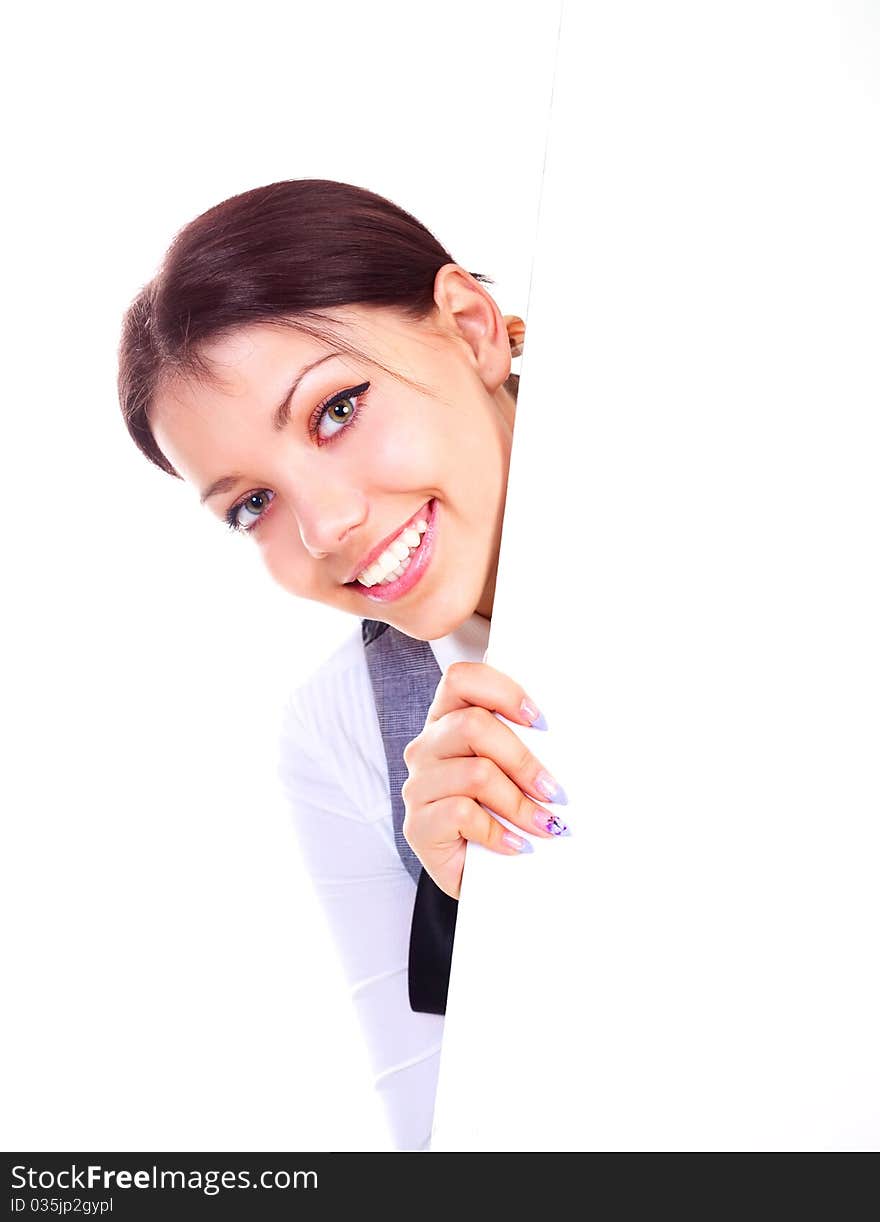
[326,516]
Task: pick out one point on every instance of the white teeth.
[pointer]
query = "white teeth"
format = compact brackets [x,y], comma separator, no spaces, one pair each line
[395,560]
[371,575]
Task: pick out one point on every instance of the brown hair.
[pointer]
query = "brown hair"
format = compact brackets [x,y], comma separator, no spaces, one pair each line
[274,254]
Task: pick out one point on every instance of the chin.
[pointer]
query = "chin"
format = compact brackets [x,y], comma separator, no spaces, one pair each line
[438,621]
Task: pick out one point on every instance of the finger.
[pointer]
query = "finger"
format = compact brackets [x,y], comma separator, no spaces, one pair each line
[475,731]
[480,778]
[476,683]
[438,828]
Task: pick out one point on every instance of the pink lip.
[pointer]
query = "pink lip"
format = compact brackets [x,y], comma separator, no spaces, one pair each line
[377,551]
[421,558]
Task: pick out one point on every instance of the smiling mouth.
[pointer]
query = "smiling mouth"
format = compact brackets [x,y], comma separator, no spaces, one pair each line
[389,582]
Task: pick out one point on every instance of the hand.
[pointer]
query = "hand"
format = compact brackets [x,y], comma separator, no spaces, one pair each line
[465,756]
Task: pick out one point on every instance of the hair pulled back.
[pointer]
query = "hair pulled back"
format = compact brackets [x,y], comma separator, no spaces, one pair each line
[279,252]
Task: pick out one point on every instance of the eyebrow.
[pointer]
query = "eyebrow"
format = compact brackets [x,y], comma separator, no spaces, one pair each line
[280,418]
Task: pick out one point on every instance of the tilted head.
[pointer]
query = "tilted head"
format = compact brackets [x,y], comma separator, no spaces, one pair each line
[315,363]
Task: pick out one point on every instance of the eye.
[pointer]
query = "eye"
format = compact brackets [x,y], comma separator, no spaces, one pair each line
[333,415]
[245,514]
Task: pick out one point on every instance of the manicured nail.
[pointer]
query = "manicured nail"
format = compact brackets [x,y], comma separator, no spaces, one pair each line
[551,823]
[550,789]
[532,715]
[517,842]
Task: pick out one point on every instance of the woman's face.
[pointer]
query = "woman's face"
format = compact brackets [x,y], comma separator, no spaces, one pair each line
[361,459]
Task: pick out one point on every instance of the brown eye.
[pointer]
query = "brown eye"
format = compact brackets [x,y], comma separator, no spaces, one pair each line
[341,411]
[338,412]
[243,515]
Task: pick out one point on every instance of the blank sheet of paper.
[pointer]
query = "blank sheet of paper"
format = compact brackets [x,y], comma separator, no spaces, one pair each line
[689,590]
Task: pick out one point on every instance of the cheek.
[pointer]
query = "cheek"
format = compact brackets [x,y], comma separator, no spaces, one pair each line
[401,454]
[284,556]
[426,444]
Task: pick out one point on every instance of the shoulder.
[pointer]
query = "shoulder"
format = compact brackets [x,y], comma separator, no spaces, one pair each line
[331,683]
[329,732]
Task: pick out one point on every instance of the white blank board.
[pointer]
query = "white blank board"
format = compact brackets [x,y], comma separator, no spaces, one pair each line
[689,590]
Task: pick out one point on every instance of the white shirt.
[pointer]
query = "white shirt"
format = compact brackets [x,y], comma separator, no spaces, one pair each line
[333,771]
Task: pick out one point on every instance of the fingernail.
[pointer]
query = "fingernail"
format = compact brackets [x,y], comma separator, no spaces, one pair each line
[550,789]
[551,823]
[532,715]
[517,842]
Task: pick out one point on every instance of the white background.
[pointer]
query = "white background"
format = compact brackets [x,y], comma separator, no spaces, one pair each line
[689,588]
[170,982]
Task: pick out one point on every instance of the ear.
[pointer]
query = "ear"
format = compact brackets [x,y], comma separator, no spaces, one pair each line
[467,311]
